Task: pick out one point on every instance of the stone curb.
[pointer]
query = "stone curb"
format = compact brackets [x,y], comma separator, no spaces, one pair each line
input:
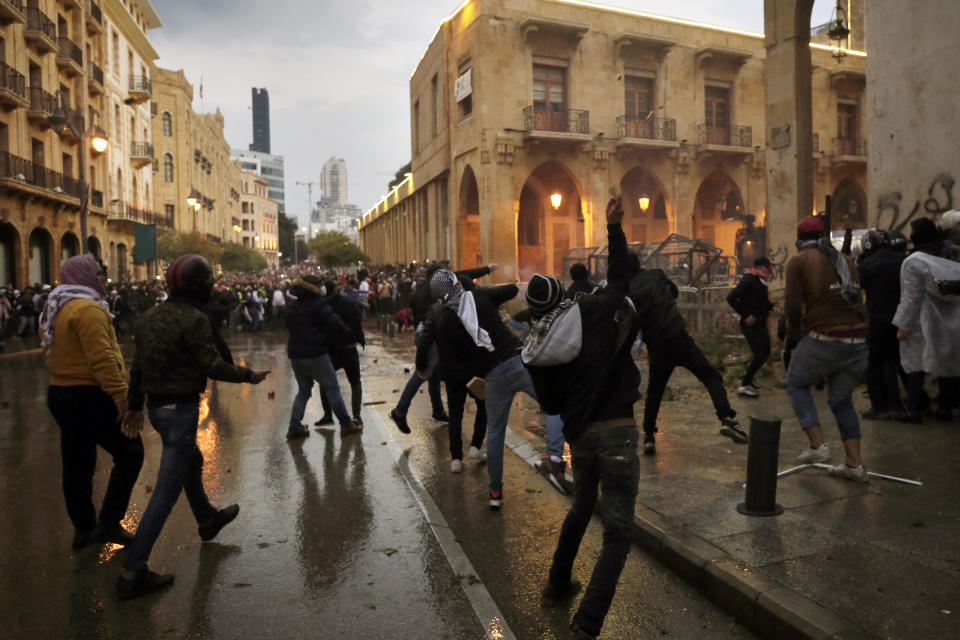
[761,603]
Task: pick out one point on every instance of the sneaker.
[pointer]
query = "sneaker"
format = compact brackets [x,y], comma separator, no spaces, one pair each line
[358,421]
[478,454]
[298,432]
[355,426]
[209,530]
[552,596]
[732,429]
[553,472]
[456,466]
[400,420]
[115,534]
[811,455]
[849,473]
[143,582]
[326,419]
[576,633]
[649,445]
[748,391]
[909,418]
[440,417]
[496,500]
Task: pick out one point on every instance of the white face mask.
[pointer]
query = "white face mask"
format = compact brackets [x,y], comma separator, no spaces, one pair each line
[323,292]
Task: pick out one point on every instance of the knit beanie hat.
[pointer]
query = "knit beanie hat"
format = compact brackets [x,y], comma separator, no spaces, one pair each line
[544,293]
[924,231]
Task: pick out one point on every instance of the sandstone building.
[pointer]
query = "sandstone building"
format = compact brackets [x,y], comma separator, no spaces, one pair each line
[524,113]
[258,217]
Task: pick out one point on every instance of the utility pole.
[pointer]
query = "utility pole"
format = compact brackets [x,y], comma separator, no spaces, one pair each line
[296,245]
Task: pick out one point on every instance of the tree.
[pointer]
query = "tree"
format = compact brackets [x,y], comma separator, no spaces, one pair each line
[286,230]
[400,175]
[237,257]
[334,249]
[171,244]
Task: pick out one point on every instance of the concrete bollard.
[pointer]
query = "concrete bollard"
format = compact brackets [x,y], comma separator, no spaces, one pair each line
[764,449]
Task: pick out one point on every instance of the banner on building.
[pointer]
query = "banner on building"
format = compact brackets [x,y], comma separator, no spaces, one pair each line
[144,242]
[464,85]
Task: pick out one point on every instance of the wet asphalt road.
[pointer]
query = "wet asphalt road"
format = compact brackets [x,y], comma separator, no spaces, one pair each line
[330,542]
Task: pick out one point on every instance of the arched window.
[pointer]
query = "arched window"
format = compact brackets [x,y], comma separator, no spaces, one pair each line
[166,123]
[167,167]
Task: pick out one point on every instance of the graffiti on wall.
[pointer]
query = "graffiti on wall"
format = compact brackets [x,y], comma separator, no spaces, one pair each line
[939,200]
[778,260]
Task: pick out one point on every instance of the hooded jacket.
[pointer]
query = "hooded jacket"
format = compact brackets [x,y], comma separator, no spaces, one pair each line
[313,325]
[655,297]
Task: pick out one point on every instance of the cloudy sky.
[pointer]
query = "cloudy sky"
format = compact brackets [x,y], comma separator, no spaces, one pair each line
[337,72]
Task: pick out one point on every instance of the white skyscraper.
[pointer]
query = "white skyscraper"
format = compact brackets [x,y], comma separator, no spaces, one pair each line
[333,180]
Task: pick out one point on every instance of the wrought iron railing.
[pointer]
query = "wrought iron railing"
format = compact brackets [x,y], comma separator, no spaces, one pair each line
[17,168]
[850,146]
[734,135]
[93,10]
[12,80]
[95,72]
[69,50]
[38,21]
[141,84]
[575,121]
[96,198]
[141,150]
[14,4]
[41,100]
[120,210]
[647,128]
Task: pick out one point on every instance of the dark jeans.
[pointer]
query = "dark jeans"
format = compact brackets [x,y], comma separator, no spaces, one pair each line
[883,367]
[349,360]
[606,459]
[456,399]
[181,468]
[758,339]
[680,350]
[319,369]
[87,417]
[415,382]
[918,400]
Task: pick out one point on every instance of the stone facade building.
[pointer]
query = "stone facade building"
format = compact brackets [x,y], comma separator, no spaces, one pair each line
[258,217]
[525,113]
[89,63]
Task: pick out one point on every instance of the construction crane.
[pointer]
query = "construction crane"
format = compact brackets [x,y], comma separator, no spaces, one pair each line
[309,185]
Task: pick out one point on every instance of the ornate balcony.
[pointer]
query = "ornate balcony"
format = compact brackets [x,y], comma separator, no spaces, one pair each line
[94,79]
[20,175]
[12,11]
[141,154]
[40,32]
[120,211]
[848,151]
[69,57]
[13,88]
[734,141]
[141,89]
[649,133]
[71,131]
[94,18]
[42,106]
[572,125]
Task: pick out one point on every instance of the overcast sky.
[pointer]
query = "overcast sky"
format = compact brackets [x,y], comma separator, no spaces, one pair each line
[337,72]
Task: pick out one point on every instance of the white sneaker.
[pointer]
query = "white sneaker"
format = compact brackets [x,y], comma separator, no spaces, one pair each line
[748,390]
[810,455]
[477,454]
[456,466]
[849,473]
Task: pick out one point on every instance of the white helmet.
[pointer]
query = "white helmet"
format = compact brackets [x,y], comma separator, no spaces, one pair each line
[951,220]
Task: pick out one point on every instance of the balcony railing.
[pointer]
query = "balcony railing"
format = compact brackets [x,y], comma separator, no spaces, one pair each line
[69,54]
[664,129]
[94,13]
[96,198]
[732,136]
[141,150]
[850,147]
[573,121]
[12,11]
[42,105]
[141,89]
[40,30]
[95,76]
[13,86]
[120,210]
[15,168]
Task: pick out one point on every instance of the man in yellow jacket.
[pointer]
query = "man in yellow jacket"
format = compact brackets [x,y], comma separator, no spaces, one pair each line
[87,397]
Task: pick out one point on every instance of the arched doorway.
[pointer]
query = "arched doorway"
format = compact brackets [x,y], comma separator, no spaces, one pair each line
[122,263]
[69,246]
[469,218]
[848,206]
[644,206]
[93,246]
[41,245]
[9,246]
[718,212]
[550,220]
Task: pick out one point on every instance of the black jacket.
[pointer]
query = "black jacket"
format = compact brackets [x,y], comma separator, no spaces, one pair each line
[750,298]
[583,286]
[880,280]
[313,326]
[601,383]
[348,311]
[655,297]
[422,299]
[460,358]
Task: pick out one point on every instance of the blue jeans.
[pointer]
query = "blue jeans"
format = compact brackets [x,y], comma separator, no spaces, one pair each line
[555,436]
[606,460]
[842,365]
[502,384]
[181,468]
[319,369]
[415,382]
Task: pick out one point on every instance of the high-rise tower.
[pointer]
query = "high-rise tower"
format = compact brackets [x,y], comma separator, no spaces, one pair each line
[261,120]
[333,180]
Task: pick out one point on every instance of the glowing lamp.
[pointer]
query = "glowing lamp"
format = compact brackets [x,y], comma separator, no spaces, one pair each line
[644,202]
[98,143]
[556,199]
[196,207]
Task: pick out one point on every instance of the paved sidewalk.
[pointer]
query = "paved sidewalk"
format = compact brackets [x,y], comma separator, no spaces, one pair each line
[844,560]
